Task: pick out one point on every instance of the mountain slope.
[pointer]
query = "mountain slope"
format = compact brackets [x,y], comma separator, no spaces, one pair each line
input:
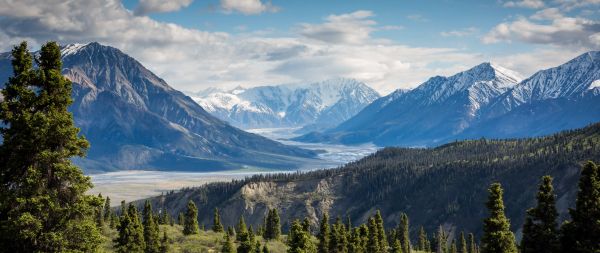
[135,120]
[314,106]
[440,107]
[436,186]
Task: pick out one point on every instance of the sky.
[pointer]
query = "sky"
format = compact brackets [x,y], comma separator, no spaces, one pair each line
[396,44]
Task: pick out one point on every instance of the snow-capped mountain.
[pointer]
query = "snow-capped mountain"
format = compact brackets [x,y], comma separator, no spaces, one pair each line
[314,106]
[485,101]
[135,120]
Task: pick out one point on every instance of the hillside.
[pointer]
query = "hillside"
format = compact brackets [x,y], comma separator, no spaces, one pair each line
[135,120]
[435,186]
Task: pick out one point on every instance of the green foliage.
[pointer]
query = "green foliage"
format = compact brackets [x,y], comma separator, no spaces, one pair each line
[497,237]
[131,232]
[107,210]
[43,206]
[373,243]
[404,233]
[181,219]
[273,226]
[299,240]
[190,226]
[151,236]
[463,243]
[217,226]
[244,237]
[441,241]
[582,232]
[324,234]
[227,245]
[423,243]
[165,244]
[540,233]
[472,244]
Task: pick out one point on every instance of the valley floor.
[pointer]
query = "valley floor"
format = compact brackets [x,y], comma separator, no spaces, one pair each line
[133,185]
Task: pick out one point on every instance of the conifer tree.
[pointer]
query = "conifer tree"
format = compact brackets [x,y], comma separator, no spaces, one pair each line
[341,240]
[265,249]
[227,246]
[453,248]
[441,241]
[463,243]
[582,232]
[324,234]
[273,226]
[151,236]
[131,232]
[164,243]
[404,233]
[241,229]
[217,226]
[396,246]
[423,241]
[244,237]
[306,225]
[472,243]
[383,244]
[107,211]
[99,215]
[373,243]
[43,201]
[257,248]
[497,237]
[181,219]
[540,229]
[191,219]
[298,240]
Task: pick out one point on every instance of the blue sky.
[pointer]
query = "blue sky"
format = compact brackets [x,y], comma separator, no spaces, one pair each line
[195,44]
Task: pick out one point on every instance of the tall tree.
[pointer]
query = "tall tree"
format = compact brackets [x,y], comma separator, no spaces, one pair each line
[244,237]
[217,226]
[396,246]
[299,240]
[540,229]
[151,236]
[227,246]
[164,243]
[423,241]
[497,237]
[463,243]
[441,241]
[241,229]
[99,214]
[181,219]
[191,219]
[383,244]
[472,243]
[131,232]
[373,242]
[582,232]
[273,226]
[107,211]
[404,233]
[324,234]
[43,201]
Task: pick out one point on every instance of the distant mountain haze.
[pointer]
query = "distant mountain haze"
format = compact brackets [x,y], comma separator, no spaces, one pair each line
[485,101]
[135,120]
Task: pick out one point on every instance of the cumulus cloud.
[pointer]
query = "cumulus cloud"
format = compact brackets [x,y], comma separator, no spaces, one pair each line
[150,6]
[547,27]
[353,27]
[460,33]
[247,7]
[533,4]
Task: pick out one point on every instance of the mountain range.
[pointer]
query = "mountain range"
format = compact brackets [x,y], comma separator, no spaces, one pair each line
[135,120]
[485,101]
[312,106]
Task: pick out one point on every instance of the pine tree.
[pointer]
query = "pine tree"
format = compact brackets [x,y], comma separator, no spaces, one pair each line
[373,244]
[582,232]
[396,246]
[181,219]
[341,240]
[151,236]
[383,244]
[423,241]
[191,219]
[453,248]
[99,214]
[241,229]
[257,247]
[306,225]
[463,243]
[540,229]
[164,243]
[273,226]
[217,226]
[227,246]
[324,234]
[244,237]
[298,240]
[404,233]
[472,243]
[441,241]
[497,237]
[43,201]
[107,211]
[131,232]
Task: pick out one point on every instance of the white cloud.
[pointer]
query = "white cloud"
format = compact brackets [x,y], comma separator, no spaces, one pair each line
[460,33]
[353,27]
[530,62]
[247,7]
[533,4]
[554,29]
[149,6]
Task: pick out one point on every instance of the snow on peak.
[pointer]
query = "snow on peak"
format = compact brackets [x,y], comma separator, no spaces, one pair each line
[507,73]
[595,84]
[72,49]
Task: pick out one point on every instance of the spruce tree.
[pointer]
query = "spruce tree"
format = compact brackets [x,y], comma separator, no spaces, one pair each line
[582,232]
[299,241]
[257,247]
[383,244]
[181,219]
[191,219]
[423,241]
[472,243]
[497,237]
[396,246]
[43,201]
[227,246]
[404,233]
[463,243]
[131,232]
[453,248]
[244,237]
[164,243]
[306,225]
[151,236]
[217,226]
[340,232]
[273,226]
[441,241]
[241,229]
[107,211]
[324,234]
[99,215]
[540,229]
[373,242]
